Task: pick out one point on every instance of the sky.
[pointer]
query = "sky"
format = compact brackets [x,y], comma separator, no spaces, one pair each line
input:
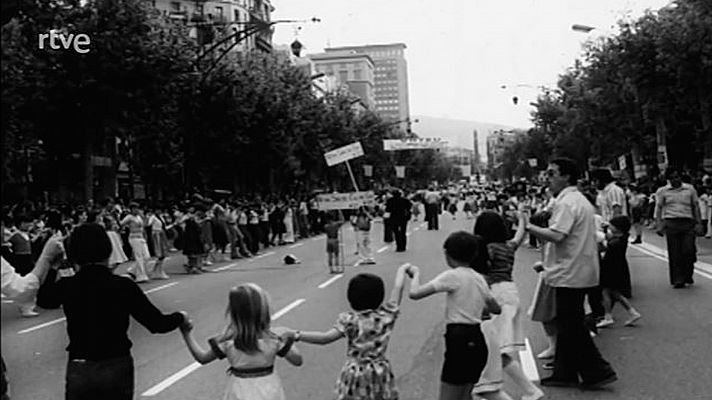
[461,52]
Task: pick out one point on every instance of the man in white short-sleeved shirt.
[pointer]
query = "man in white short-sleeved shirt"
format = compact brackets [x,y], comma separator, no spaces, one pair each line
[571,268]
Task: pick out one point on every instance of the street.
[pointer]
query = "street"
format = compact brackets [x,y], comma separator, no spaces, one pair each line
[666,356]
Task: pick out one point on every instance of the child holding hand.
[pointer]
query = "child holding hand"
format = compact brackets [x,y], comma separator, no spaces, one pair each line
[367,373]
[468,297]
[249,345]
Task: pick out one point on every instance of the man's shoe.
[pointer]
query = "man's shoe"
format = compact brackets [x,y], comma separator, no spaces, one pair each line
[678,286]
[600,383]
[556,382]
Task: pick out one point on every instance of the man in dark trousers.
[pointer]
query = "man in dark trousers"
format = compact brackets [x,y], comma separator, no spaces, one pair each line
[399,209]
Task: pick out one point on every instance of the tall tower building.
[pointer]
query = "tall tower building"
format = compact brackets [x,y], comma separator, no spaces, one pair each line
[352,69]
[476,152]
[390,79]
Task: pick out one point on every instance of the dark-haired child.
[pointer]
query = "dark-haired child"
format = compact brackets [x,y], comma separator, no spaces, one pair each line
[496,263]
[615,275]
[367,373]
[332,227]
[468,297]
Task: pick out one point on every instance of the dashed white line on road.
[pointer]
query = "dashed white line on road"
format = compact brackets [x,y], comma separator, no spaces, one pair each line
[382,249]
[40,326]
[225,267]
[296,245]
[167,285]
[58,320]
[171,380]
[528,363]
[269,253]
[330,281]
[164,384]
[287,309]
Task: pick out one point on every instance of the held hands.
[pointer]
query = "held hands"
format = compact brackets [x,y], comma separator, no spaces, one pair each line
[411,270]
[187,324]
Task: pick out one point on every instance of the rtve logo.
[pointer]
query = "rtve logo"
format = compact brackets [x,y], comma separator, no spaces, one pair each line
[70,40]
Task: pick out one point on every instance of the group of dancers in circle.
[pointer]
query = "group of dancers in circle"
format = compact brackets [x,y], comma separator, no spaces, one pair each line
[483,315]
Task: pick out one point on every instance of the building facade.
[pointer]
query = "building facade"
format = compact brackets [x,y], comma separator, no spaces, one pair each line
[211,20]
[390,79]
[356,71]
[497,142]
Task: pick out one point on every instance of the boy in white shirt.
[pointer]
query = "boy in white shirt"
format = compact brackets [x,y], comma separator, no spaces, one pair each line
[468,297]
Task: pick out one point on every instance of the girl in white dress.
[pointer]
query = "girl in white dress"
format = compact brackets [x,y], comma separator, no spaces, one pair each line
[117,249]
[249,345]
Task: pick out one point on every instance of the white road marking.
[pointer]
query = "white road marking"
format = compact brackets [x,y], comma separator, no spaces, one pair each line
[225,267]
[318,238]
[58,320]
[330,281]
[7,301]
[164,384]
[382,249]
[269,253]
[701,268]
[528,363]
[289,307]
[171,380]
[40,326]
[296,245]
[167,285]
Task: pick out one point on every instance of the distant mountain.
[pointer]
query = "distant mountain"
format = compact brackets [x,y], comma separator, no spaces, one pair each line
[456,132]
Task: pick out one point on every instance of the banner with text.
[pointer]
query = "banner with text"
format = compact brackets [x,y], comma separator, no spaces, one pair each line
[342,154]
[345,201]
[412,144]
[368,170]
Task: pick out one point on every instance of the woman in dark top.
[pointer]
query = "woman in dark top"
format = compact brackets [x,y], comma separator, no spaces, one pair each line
[97,305]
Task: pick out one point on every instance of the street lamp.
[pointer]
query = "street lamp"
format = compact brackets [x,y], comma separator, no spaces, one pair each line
[582,28]
[240,35]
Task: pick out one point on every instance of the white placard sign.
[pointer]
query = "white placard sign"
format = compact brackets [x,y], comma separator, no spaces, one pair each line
[342,154]
[345,201]
[621,161]
[533,162]
[400,171]
[412,144]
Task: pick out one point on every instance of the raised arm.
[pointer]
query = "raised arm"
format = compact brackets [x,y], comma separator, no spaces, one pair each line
[397,292]
[418,291]
[521,229]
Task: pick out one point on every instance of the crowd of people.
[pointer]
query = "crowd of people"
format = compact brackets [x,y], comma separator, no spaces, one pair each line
[59,257]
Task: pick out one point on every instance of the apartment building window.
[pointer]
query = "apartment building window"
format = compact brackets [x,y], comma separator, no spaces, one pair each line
[357,74]
[219,12]
[237,15]
[344,76]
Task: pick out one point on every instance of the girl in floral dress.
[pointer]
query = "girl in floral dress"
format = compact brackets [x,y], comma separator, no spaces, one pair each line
[367,374]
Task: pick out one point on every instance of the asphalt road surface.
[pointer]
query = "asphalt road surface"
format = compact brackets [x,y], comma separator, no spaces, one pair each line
[668,356]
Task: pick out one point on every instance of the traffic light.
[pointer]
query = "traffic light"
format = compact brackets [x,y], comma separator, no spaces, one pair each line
[515,100]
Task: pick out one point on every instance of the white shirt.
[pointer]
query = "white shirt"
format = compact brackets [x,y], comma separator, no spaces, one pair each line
[466,293]
[573,262]
[611,196]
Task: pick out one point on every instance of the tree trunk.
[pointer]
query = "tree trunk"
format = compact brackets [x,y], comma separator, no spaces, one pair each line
[705,111]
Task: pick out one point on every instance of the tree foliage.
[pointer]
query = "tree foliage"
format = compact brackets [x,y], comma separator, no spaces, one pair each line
[653,78]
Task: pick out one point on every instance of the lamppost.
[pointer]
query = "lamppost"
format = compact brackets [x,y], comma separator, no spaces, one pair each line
[239,36]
